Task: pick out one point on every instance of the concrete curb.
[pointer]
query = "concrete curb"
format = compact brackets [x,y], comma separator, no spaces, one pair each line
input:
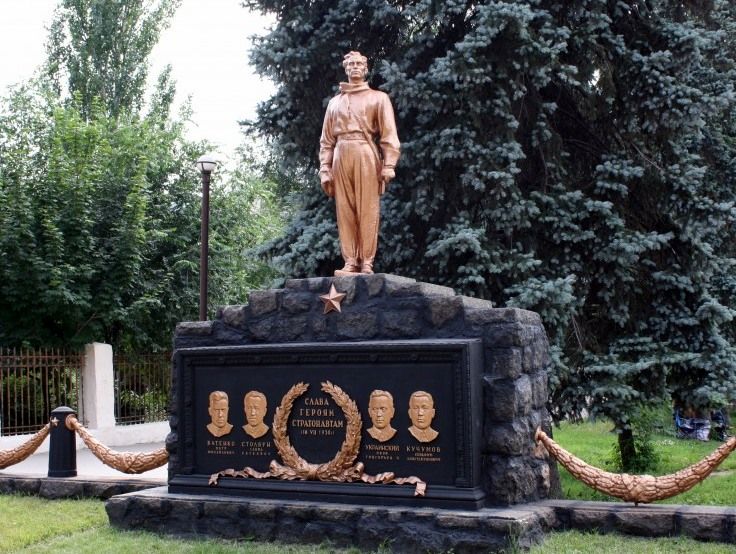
[73,487]
[707,523]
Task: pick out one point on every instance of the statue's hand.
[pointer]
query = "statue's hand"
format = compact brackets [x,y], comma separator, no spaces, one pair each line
[325,179]
[387,174]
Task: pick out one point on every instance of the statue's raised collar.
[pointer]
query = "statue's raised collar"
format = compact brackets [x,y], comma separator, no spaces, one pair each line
[350,87]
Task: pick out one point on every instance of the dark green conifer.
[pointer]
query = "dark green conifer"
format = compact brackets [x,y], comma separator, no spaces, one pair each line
[573,158]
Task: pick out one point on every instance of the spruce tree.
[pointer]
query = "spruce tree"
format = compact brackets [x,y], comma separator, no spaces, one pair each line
[573,158]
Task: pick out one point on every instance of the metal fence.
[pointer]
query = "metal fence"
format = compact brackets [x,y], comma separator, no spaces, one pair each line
[142,387]
[33,383]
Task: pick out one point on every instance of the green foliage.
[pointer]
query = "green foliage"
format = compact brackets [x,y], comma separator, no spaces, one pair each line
[96,214]
[100,203]
[644,458]
[150,405]
[99,226]
[245,212]
[573,158]
[100,49]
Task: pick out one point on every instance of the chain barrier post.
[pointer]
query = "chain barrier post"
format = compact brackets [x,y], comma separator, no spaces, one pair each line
[63,446]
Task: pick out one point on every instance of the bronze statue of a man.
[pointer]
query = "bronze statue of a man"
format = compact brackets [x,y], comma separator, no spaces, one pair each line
[358,152]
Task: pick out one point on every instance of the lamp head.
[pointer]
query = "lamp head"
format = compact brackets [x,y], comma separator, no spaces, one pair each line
[206,163]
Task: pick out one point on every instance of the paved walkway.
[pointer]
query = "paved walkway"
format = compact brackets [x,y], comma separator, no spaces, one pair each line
[88,465]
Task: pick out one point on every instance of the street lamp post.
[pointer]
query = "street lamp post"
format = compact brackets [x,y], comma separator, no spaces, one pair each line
[206,165]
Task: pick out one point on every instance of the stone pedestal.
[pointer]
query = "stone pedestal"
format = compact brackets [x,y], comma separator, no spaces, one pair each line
[381,307]
[487,370]
[368,528]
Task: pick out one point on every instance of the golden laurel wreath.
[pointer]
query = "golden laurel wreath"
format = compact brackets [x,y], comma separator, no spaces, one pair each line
[341,467]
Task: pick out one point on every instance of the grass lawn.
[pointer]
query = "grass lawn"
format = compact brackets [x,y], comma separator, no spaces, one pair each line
[593,443]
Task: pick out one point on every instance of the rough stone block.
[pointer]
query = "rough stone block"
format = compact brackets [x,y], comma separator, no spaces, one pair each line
[296,284]
[357,325]
[703,526]
[373,531]
[442,309]
[509,480]
[507,334]
[418,537]
[544,474]
[193,328]
[233,316]
[312,284]
[510,439]
[300,512]
[319,327]
[536,355]
[404,324]
[20,485]
[496,393]
[505,400]
[262,302]
[522,395]
[224,334]
[289,330]
[263,511]
[504,362]
[470,303]
[57,488]
[483,315]
[429,289]
[454,521]
[296,303]
[536,418]
[348,286]
[540,391]
[398,290]
[590,520]
[646,524]
[262,330]
[374,284]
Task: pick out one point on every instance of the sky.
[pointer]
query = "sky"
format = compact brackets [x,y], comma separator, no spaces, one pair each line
[207,46]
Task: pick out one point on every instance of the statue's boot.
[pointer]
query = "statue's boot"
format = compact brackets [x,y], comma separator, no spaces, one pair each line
[351,266]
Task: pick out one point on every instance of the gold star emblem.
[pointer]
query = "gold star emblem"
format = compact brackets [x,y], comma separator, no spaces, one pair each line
[332,300]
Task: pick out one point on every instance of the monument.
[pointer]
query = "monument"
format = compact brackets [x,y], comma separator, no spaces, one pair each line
[409,415]
[374,406]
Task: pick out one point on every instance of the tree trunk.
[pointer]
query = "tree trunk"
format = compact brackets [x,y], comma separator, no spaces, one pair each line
[627,448]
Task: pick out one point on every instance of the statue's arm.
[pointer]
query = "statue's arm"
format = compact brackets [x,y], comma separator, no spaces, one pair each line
[389,138]
[326,149]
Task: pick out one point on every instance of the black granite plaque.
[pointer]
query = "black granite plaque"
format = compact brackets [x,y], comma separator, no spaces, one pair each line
[434,436]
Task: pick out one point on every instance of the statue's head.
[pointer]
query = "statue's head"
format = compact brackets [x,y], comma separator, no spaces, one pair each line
[356,66]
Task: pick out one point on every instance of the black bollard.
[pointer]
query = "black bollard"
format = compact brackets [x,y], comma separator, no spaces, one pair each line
[63,446]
